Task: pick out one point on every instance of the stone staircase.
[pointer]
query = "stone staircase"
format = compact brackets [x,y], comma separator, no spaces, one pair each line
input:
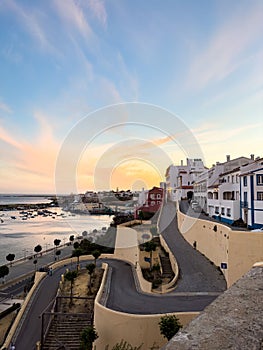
[65,330]
[166,267]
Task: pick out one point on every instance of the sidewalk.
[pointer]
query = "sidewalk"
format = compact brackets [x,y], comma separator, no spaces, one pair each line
[25,268]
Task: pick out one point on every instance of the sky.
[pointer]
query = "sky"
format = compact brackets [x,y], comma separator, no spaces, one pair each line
[65,63]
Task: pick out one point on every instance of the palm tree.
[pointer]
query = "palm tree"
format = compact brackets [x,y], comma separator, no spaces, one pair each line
[77,252]
[70,276]
[90,268]
[150,247]
[4,271]
[88,336]
[37,248]
[96,254]
[10,257]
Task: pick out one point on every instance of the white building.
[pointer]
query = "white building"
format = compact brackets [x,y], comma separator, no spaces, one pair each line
[218,190]
[251,209]
[180,178]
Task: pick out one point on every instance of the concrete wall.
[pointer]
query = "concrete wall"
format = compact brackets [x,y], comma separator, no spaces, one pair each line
[113,326]
[239,249]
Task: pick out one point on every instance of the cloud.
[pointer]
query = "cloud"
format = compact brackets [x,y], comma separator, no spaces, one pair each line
[6,137]
[72,13]
[4,107]
[223,54]
[99,11]
[31,22]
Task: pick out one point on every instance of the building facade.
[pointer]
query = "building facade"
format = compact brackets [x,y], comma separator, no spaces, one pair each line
[251,188]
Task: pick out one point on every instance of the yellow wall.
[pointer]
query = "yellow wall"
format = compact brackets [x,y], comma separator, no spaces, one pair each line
[113,326]
[239,249]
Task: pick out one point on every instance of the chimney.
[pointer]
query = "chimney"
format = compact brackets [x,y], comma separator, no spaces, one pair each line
[228,158]
[182,162]
[252,156]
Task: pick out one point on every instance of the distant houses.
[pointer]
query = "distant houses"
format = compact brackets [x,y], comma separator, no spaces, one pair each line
[231,191]
[149,203]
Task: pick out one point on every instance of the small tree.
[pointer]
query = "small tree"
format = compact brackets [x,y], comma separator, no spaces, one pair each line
[70,276]
[71,238]
[58,253]
[57,242]
[150,247]
[169,326]
[90,268]
[10,257]
[76,245]
[35,263]
[37,248]
[96,254]
[4,271]
[88,336]
[77,252]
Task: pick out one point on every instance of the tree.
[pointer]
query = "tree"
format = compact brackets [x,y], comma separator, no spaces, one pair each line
[150,247]
[10,257]
[70,276]
[4,271]
[71,238]
[96,254]
[76,245]
[58,252]
[90,268]
[57,242]
[169,326]
[35,263]
[37,248]
[88,336]
[77,252]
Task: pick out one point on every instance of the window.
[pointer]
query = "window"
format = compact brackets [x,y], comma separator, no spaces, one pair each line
[222,211]
[245,196]
[260,196]
[217,210]
[152,196]
[233,179]
[237,179]
[259,179]
[158,196]
[228,212]
[245,180]
[152,203]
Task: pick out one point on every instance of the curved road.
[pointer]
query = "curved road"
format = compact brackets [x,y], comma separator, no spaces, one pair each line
[199,284]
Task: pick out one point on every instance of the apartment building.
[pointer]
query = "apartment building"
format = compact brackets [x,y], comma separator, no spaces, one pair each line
[180,178]
[251,204]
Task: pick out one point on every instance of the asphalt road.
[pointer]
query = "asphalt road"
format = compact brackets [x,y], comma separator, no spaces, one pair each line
[197,273]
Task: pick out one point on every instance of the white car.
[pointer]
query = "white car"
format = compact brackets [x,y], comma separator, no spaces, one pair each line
[258,229]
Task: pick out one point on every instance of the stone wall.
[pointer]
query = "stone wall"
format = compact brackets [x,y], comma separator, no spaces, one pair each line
[233,321]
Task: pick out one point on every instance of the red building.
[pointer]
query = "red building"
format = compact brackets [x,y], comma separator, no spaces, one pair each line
[152,204]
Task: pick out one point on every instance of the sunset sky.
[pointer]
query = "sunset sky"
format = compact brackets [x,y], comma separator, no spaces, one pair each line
[62,62]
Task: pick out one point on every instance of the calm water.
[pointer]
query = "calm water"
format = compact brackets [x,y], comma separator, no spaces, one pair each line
[13,199]
[19,235]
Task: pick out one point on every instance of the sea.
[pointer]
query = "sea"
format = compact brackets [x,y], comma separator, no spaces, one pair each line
[22,230]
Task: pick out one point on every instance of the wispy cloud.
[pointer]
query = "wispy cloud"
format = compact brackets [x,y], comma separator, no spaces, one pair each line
[72,13]
[31,22]
[4,107]
[99,11]
[223,53]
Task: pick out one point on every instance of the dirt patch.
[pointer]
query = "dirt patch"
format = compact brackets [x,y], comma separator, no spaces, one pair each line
[84,292]
[5,324]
